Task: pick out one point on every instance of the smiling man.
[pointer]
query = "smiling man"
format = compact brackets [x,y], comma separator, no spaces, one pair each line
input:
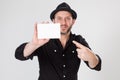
[59,59]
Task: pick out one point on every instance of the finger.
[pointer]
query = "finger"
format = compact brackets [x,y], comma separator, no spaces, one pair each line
[47,22]
[35,30]
[78,50]
[78,44]
[43,22]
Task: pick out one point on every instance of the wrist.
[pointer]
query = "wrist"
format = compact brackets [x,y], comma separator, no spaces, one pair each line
[93,61]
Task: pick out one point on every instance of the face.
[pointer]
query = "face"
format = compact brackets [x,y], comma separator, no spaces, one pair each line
[66,21]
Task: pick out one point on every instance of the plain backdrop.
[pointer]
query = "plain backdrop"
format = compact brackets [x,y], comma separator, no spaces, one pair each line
[98,22]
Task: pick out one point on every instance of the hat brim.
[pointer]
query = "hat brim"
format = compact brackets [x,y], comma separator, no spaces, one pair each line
[73,13]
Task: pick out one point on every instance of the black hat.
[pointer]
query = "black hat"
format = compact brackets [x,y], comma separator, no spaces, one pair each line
[63,7]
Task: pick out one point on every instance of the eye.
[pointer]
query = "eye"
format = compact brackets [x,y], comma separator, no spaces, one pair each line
[68,18]
[58,18]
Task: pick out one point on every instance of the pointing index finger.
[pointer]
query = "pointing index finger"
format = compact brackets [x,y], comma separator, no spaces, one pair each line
[78,44]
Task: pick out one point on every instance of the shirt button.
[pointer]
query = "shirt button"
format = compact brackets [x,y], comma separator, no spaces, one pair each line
[64,76]
[64,65]
[55,50]
[73,51]
[63,55]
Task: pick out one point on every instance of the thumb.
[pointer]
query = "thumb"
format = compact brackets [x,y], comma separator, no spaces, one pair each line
[35,30]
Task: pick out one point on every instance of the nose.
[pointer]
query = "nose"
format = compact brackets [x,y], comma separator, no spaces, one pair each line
[63,21]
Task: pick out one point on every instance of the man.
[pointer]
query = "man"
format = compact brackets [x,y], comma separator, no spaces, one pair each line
[59,59]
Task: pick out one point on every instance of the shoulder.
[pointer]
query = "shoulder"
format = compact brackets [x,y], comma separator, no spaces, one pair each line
[78,37]
[81,39]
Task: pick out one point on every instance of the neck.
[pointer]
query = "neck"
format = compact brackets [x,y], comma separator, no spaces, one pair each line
[64,38]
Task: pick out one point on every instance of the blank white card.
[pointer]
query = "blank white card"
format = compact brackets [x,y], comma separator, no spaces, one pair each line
[48,31]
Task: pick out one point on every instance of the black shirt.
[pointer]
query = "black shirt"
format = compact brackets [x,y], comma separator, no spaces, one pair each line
[56,62]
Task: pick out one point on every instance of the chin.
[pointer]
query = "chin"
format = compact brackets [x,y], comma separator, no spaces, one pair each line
[64,33]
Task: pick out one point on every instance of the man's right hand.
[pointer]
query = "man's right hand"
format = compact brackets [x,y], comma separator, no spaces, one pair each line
[38,42]
[35,43]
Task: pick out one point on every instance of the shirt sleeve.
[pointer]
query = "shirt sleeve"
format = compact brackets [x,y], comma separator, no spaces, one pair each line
[19,53]
[98,66]
[83,42]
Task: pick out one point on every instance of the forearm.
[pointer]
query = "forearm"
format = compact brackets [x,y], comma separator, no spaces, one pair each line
[29,49]
[93,61]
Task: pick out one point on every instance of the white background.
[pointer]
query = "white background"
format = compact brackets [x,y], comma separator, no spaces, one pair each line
[98,21]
